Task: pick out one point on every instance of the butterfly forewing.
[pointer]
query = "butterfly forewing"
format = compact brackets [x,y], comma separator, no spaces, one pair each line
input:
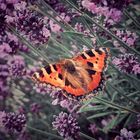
[51,74]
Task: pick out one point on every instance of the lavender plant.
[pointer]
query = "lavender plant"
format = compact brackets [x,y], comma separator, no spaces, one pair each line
[36,33]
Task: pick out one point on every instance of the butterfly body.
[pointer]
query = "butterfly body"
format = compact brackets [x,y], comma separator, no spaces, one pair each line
[77,76]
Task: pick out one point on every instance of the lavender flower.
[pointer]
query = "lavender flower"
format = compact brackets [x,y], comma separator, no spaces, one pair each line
[2,115]
[12,43]
[16,65]
[66,125]
[58,98]
[12,121]
[127,63]
[112,15]
[30,24]
[6,8]
[4,51]
[93,128]
[65,12]
[119,4]
[57,6]
[42,88]
[10,64]
[80,28]
[119,138]
[127,36]
[35,108]
[125,135]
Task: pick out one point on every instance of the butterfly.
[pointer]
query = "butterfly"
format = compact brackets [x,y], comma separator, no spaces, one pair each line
[79,75]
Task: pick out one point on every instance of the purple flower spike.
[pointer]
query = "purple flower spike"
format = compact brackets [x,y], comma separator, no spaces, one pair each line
[127,63]
[125,135]
[17,65]
[12,121]
[66,126]
[58,98]
[93,128]
[35,108]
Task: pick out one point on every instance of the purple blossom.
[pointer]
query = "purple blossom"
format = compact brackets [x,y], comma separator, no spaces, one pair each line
[12,1]
[79,27]
[112,15]
[42,88]
[6,9]
[2,115]
[57,6]
[66,125]
[5,49]
[127,63]
[59,98]
[35,108]
[16,65]
[119,4]
[9,45]
[65,12]
[30,24]
[54,27]
[12,121]
[93,128]
[119,138]
[127,36]
[125,135]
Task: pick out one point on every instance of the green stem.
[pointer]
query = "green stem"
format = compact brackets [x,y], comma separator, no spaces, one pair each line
[103,114]
[63,47]
[94,34]
[133,19]
[86,136]
[45,133]
[114,105]
[122,94]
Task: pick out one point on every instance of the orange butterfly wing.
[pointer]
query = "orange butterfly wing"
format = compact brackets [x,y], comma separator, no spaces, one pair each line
[51,74]
[94,61]
[95,58]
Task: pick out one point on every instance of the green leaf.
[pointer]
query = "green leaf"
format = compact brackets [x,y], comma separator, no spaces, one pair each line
[101,115]
[116,106]
[114,122]
[74,33]
[44,133]
[93,108]
[86,136]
